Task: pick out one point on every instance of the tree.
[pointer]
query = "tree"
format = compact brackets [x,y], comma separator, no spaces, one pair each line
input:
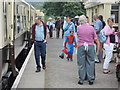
[53,8]
[64,8]
[37,5]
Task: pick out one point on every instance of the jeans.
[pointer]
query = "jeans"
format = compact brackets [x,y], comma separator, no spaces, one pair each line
[51,31]
[86,63]
[57,32]
[40,50]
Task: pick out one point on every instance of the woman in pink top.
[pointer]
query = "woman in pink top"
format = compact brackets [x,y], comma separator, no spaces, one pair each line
[86,51]
[109,44]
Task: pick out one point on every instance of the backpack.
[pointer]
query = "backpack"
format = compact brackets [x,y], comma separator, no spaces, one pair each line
[102,36]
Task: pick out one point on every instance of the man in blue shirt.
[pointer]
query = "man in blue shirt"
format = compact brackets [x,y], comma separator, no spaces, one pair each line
[39,36]
[67,26]
[98,26]
[50,24]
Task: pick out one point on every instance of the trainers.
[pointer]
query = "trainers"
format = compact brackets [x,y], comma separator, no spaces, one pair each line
[97,62]
[81,83]
[61,56]
[90,83]
[44,67]
[38,70]
[67,58]
[71,59]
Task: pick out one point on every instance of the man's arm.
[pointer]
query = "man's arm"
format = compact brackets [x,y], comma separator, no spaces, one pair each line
[33,31]
[47,33]
[98,46]
[97,31]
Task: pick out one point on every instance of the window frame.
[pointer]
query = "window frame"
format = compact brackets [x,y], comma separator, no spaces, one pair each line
[115,10]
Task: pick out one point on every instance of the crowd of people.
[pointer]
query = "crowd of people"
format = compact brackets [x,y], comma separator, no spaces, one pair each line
[89,49]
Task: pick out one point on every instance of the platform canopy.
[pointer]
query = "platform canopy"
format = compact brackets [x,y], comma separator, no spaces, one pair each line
[102,1]
[55,0]
[91,3]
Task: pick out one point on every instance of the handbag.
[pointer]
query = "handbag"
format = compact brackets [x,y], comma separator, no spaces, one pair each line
[112,38]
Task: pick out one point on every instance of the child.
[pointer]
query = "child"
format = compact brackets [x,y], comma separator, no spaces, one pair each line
[68,50]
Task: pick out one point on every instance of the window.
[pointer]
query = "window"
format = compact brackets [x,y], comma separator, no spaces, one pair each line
[4,6]
[15,29]
[115,15]
[95,10]
[115,12]
[24,10]
[28,16]
[18,24]
[17,9]
[114,7]
[31,20]
[5,28]
[24,21]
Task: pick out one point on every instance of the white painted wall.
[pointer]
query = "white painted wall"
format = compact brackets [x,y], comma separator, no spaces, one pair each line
[1,25]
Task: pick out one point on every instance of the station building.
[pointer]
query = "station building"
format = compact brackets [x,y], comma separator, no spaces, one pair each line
[106,8]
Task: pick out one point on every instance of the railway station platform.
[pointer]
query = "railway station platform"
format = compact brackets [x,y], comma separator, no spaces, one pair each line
[27,77]
[60,73]
[63,74]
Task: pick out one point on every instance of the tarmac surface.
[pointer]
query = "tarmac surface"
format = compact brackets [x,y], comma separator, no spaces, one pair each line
[63,74]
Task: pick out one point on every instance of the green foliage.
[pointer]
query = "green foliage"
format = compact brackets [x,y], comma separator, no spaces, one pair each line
[53,8]
[46,18]
[63,8]
[37,5]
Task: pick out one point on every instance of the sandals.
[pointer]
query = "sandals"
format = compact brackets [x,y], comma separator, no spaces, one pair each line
[107,72]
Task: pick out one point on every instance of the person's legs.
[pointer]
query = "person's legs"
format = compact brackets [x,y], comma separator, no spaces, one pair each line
[62,33]
[51,31]
[70,52]
[57,34]
[100,53]
[43,54]
[96,58]
[90,63]
[108,53]
[37,55]
[81,63]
